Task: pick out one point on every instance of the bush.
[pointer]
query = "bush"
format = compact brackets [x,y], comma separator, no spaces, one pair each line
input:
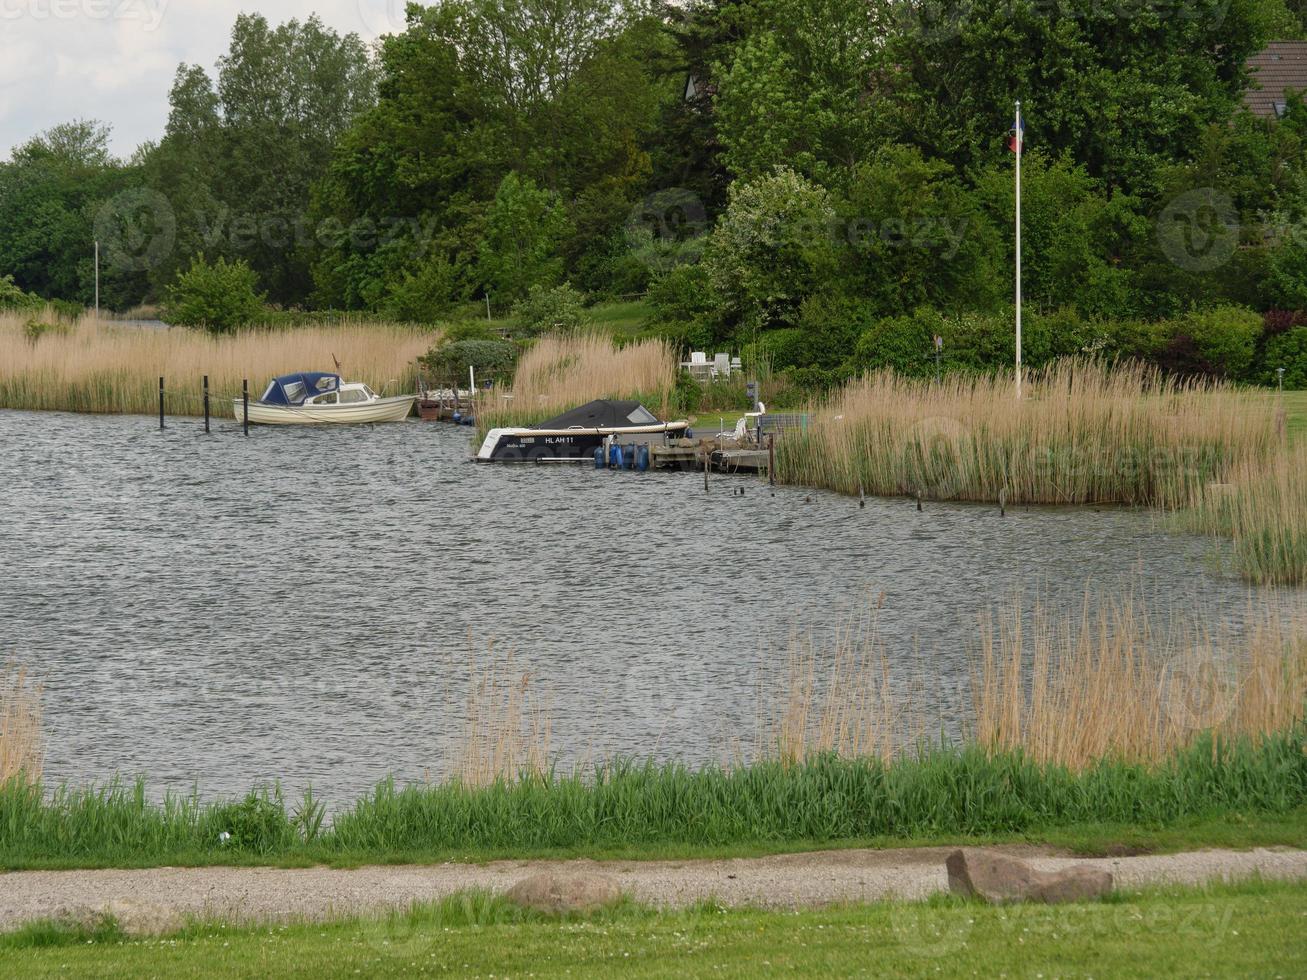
[833,323]
[14,298]
[424,296]
[35,329]
[778,350]
[904,343]
[1219,342]
[682,294]
[545,310]
[218,297]
[1289,351]
[492,360]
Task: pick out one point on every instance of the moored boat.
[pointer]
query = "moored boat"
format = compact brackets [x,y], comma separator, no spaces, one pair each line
[312,398]
[574,436]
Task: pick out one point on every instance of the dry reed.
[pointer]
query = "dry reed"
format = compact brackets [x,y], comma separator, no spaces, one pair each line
[22,750]
[1263,508]
[561,372]
[97,366]
[832,699]
[1107,684]
[1085,432]
[507,727]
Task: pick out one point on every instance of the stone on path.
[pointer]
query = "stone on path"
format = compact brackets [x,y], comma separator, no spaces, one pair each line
[559,892]
[999,879]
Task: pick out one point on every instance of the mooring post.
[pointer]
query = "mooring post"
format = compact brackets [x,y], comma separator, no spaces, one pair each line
[245,403]
[1002,502]
[771,458]
[706,458]
[206,403]
[161,402]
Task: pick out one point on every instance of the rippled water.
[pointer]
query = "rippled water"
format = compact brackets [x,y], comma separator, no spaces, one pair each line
[302,604]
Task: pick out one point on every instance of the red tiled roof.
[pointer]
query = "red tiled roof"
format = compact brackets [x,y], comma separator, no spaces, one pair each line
[1281,67]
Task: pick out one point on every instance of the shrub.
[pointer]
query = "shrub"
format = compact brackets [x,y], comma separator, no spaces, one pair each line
[35,329]
[546,310]
[1289,351]
[833,323]
[218,297]
[904,343]
[491,359]
[424,296]
[1219,342]
[14,298]
[683,294]
[778,350]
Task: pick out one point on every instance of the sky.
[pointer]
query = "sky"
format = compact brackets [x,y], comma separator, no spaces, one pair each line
[114,60]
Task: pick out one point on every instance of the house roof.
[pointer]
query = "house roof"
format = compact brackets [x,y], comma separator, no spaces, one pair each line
[1279,68]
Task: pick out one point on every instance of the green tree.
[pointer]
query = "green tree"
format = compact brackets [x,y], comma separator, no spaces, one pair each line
[218,296]
[51,192]
[242,151]
[771,249]
[524,227]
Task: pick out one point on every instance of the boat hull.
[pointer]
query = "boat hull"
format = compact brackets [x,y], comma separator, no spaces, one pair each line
[383,410]
[562,445]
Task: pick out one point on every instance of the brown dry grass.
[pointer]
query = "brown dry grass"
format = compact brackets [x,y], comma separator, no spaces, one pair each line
[1103,682]
[1109,683]
[561,372]
[1086,432]
[98,366]
[1262,507]
[22,750]
[507,726]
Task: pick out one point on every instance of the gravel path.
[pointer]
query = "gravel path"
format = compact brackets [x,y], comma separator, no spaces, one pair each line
[785,881]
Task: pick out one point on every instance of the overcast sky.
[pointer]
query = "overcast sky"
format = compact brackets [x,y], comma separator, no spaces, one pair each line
[114,60]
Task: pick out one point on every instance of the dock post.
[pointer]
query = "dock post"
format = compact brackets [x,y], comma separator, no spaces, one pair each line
[206,403]
[771,458]
[245,403]
[161,402]
[706,458]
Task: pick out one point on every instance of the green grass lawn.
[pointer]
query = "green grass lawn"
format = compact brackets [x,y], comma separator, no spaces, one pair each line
[1295,409]
[1241,930]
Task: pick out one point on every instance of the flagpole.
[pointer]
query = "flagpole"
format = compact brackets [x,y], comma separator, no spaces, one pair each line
[1020,146]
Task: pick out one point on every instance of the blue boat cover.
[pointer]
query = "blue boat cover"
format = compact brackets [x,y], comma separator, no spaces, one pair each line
[292,389]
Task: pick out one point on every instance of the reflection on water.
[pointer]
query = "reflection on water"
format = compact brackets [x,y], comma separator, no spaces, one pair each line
[302,604]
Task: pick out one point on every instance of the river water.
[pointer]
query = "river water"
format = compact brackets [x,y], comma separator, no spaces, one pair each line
[303,604]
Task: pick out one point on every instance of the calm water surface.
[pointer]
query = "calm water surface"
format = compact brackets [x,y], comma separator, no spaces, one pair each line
[303,604]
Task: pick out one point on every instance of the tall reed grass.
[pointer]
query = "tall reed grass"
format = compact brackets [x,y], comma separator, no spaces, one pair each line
[1262,507]
[1085,432]
[559,372]
[22,745]
[1111,683]
[507,726]
[98,366]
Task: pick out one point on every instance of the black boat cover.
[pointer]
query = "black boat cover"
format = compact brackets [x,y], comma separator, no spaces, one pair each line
[602,414]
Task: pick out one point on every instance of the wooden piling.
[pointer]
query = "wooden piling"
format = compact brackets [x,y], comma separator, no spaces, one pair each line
[771,458]
[245,403]
[206,403]
[161,402]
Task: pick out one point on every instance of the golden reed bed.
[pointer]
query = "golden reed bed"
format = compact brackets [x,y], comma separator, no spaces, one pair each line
[90,366]
[1085,432]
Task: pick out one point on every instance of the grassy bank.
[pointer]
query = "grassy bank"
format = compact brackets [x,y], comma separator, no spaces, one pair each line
[943,794]
[90,366]
[1247,929]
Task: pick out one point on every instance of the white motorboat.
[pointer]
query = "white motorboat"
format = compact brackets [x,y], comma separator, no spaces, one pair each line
[310,398]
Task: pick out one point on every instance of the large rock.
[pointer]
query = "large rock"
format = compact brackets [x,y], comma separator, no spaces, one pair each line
[1000,879]
[559,892]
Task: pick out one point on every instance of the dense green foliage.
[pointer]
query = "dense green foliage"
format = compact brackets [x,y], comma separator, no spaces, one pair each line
[825,186]
[218,296]
[944,791]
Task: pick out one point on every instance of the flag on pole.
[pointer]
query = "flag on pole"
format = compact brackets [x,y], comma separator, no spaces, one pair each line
[1016,139]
